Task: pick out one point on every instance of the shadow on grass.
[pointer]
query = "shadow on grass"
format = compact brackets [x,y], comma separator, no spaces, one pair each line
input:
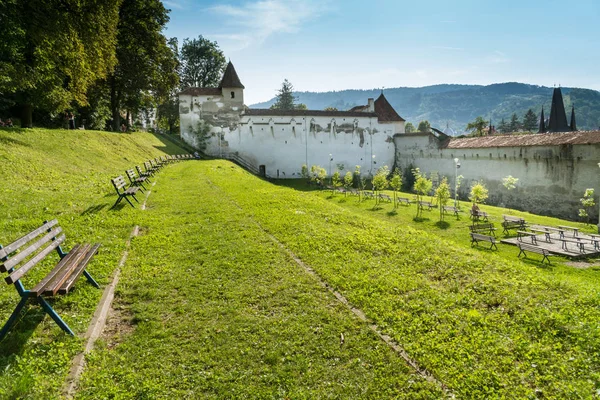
[20,333]
[94,209]
[420,219]
[392,213]
[442,224]
[7,140]
[537,262]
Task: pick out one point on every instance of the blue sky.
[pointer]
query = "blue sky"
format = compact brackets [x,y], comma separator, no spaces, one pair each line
[324,45]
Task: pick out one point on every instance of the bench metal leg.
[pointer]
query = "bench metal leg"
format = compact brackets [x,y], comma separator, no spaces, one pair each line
[48,308]
[493,246]
[13,317]
[90,279]
[546,258]
[521,252]
[130,203]
[117,202]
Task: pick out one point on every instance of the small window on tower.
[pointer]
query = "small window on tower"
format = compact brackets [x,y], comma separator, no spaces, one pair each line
[233,95]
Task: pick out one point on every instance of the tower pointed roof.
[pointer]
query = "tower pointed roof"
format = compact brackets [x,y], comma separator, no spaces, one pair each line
[558,116]
[385,112]
[573,123]
[230,78]
[542,128]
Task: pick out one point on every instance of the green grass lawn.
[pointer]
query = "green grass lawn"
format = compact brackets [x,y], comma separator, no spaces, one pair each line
[209,306]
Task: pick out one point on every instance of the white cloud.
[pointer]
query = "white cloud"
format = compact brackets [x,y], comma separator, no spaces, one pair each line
[255,21]
[173,4]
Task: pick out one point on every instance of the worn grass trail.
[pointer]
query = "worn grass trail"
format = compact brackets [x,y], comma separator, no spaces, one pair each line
[217,310]
[484,325]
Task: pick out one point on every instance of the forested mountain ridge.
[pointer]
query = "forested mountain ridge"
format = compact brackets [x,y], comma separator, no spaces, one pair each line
[457,105]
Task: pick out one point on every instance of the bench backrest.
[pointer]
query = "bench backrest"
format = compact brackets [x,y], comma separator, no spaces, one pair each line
[530,247]
[139,170]
[33,248]
[479,236]
[131,174]
[481,227]
[118,183]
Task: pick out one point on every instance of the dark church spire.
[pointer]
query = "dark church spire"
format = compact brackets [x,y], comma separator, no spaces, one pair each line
[230,78]
[542,122]
[558,116]
[573,124]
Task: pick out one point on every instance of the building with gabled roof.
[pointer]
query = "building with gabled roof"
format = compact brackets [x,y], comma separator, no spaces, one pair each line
[277,143]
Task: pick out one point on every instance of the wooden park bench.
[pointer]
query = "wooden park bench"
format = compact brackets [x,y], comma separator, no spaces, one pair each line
[404,200]
[368,194]
[19,257]
[541,229]
[513,223]
[578,241]
[522,234]
[533,249]
[353,192]
[478,237]
[385,197]
[145,174]
[570,228]
[150,168]
[479,228]
[123,191]
[136,180]
[422,204]
[478,215]
[451,210]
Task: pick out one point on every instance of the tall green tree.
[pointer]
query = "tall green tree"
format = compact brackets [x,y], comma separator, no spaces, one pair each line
[202,63]
[52,51]
[143,58]
[514,124]
[424,126]
[165,93]
[530,121]
[409,128]
[285,98]
[503,127]
[477,126]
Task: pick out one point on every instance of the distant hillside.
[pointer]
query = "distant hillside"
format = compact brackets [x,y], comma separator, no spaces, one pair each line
[457,105]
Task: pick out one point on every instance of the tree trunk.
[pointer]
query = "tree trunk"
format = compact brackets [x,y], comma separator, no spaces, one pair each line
[114,106]
[26,116]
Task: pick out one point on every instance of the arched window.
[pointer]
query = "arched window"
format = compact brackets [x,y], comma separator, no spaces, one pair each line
[233,95]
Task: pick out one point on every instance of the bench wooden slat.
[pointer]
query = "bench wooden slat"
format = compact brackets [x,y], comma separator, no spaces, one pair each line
[27,238]
[39,288]
[18,274]
[66,271]
[11,262]
[66,287]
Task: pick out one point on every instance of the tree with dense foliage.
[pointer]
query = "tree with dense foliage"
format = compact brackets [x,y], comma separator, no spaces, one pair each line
[422,188]
[510,182]
[202,63]
[348,180]
[587,201]
[318,174]
[330,109]
[477,126]
[514,125]
[304,172]
[51,52]
[530,121]
[409,128]
[285,99]
[442,194]
[479,193]
[424,126]
[145,59]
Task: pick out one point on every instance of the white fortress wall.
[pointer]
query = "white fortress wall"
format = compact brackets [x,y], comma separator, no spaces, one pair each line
[552,178]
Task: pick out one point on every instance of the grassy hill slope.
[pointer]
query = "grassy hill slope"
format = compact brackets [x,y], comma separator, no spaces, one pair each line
[66,175]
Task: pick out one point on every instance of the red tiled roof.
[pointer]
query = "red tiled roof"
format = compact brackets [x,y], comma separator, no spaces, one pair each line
[532,139]
[384,110]
[197,91]
[313,113]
